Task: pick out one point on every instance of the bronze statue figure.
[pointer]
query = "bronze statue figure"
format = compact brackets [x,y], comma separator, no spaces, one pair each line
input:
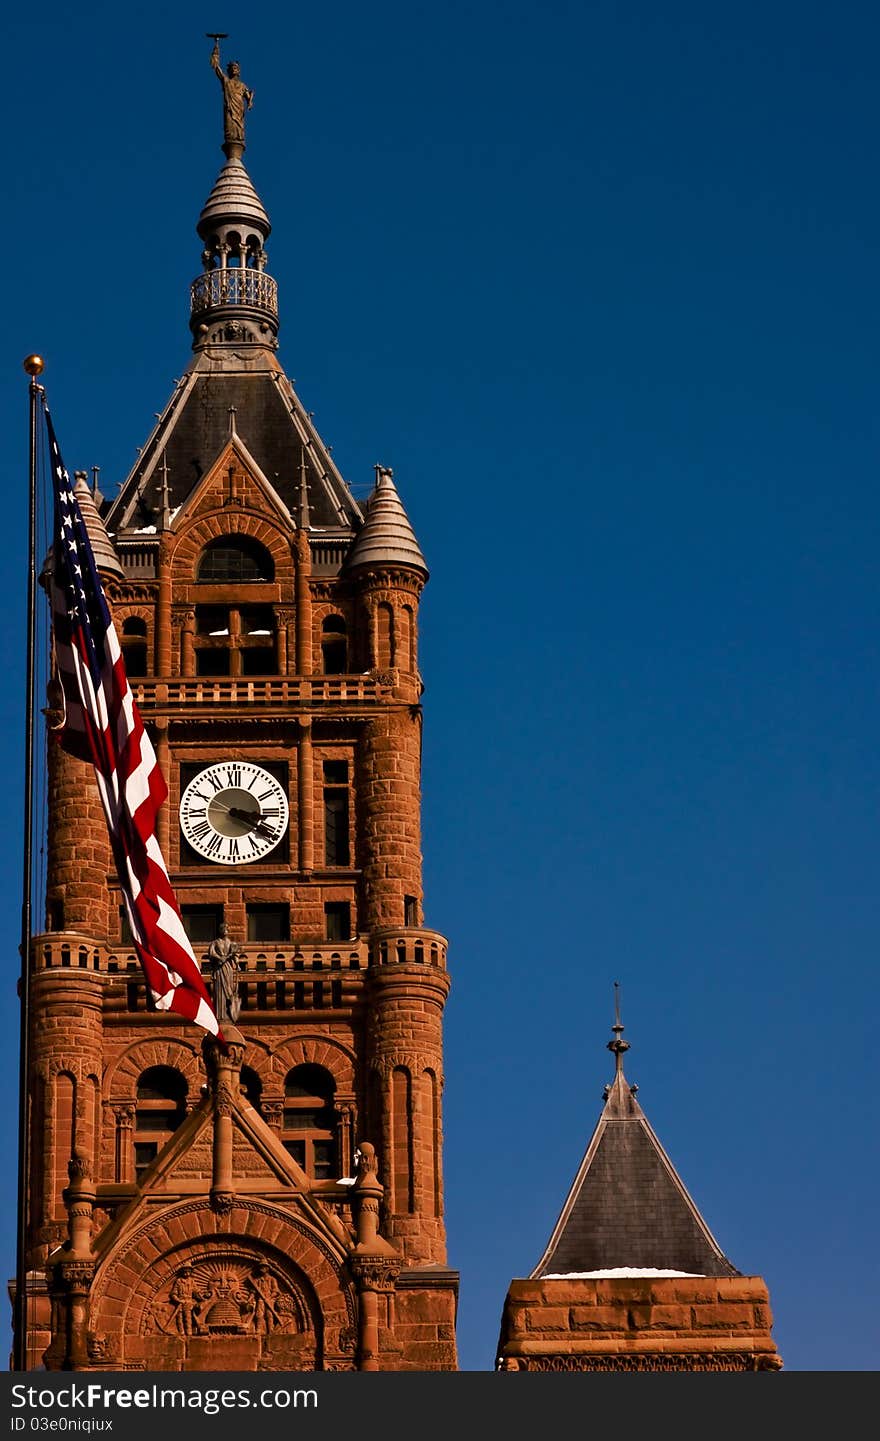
[224,953]
[237,98]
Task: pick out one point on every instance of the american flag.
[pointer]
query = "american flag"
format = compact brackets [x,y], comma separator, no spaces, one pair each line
[102,725]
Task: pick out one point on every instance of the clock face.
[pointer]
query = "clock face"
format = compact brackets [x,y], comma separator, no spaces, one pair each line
[233,812]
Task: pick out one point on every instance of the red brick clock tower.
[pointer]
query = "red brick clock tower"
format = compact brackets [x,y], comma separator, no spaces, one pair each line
[279,1206]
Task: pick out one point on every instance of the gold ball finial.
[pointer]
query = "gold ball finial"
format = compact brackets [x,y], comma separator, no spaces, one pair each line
[34,365]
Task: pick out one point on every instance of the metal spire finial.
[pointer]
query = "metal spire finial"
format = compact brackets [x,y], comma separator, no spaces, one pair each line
[618,1045]
[303,491]
[165,500]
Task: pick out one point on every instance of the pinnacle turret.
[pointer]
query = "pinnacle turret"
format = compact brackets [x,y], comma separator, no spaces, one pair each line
[234,301]
[386,537]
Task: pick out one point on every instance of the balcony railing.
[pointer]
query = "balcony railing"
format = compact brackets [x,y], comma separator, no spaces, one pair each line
[409,947]
[261,963]
[234,285]
[255,691]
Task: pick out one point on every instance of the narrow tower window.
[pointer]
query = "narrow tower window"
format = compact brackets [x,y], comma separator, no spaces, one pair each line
[337,921]
[310,1120]
[253,1088]
[161,1106]
[134,645]
[337,847]
[334,646]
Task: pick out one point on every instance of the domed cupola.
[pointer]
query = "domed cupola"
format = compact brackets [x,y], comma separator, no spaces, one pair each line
[234,301]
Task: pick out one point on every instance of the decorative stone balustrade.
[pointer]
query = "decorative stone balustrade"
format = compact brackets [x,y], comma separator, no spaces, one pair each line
[234,285]
[272,692]
[408,946]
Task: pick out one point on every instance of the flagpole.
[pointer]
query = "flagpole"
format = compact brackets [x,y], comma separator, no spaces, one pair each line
[33,366]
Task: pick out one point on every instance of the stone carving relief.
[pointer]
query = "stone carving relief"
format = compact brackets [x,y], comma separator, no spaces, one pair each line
[227,1296]
[641,1361]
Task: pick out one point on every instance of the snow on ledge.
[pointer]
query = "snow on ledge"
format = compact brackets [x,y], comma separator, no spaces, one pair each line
[612,1273]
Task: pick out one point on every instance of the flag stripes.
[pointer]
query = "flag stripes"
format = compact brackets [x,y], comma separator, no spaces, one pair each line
[102,725]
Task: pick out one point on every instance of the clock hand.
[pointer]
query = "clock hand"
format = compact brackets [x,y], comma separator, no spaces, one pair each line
[252,818]
[255,820]
[236,812]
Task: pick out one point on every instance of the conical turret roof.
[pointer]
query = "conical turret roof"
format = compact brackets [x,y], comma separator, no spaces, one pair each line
[106,558]
[627,1209]
[233,199]
[386,537]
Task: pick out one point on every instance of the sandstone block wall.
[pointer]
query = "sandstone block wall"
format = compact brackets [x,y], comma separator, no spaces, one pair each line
[703,1323]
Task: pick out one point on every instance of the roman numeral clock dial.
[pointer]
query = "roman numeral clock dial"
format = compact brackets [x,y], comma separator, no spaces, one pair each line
[233,812]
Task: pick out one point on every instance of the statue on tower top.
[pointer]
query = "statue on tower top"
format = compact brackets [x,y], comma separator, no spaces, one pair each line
[237,98]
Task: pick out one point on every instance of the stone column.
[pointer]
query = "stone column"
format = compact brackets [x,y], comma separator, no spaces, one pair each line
[306,796]
[302,556]
[123,1168]
[283,621]
[375,1264]
[224,1079]
[163,611]
[163,820]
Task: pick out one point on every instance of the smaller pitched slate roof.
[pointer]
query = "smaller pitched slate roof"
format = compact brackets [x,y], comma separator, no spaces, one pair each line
[627,1206]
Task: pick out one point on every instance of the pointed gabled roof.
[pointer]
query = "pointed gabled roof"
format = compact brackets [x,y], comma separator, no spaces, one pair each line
[386,537]
[270,420]
[627,1208]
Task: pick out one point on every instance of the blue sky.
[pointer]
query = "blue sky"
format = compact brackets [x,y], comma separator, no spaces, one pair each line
[599,281]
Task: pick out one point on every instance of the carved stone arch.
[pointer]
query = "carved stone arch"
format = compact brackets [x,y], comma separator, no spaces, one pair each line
[126,610]
[322,609]
[315,1050]
[314,1299]
[68,1064]
[410,1061]
[258,1055]
[187,545]
[120,1081]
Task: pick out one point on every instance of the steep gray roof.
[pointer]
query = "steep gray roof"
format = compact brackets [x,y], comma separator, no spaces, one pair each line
[386,537]
[269,418]
[627,1206]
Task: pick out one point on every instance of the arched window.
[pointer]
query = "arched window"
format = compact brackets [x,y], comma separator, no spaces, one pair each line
[334,646]
[161,1106]
[134,645]
[385,634]
[310,1121]
[234,558]
[253,1088]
